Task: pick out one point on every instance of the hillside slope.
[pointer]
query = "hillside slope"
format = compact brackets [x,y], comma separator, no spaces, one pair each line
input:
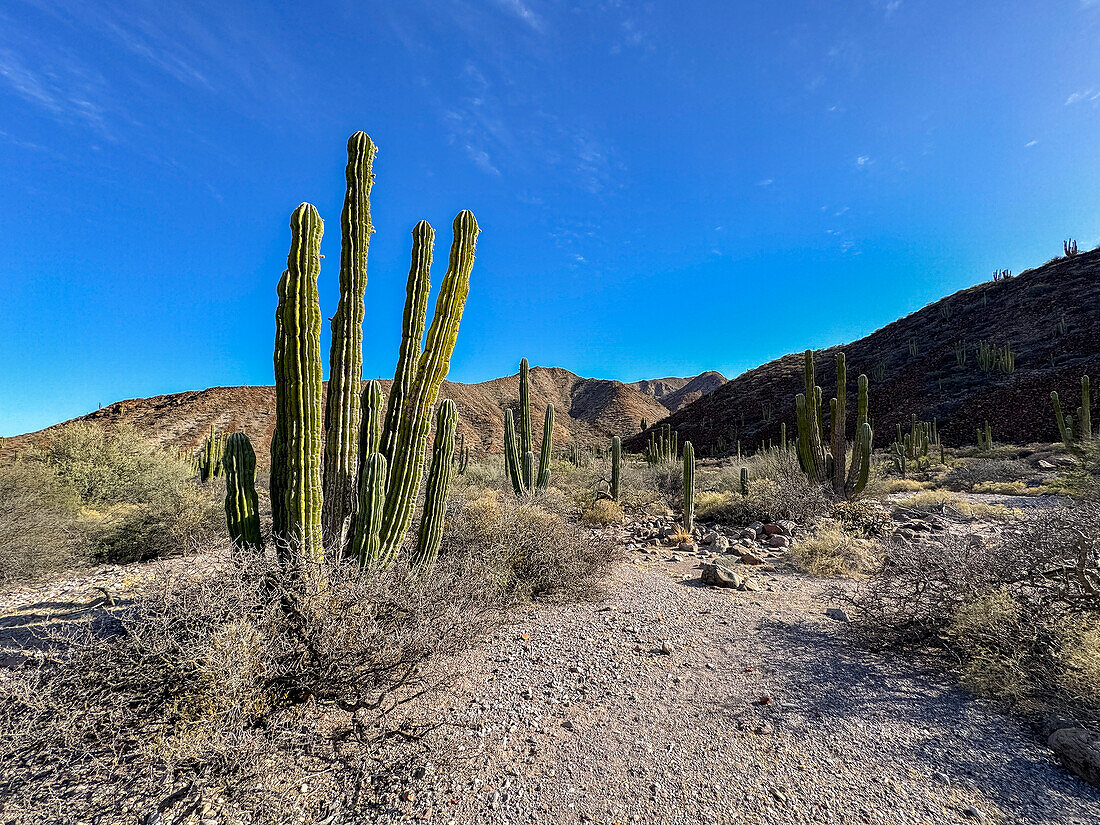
[1026,311]
[677,393]
[588,410]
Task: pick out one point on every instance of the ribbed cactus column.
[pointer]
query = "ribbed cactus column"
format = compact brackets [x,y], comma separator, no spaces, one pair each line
[547,448]
[370,420]
[744,481]
[242,513]
[839,424]
[811,449]
[407,465]
[689,487]
[297,475]
[511,455]
[412,332]
[430,535]
[616,467]
[525,420]
[363,538]
[341,458]
[1084,415]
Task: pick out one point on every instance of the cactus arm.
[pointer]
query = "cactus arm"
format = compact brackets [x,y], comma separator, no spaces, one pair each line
[363,538]
[277,478]
[511,454]
[525,419]
[863,448]
[430,535]
[689,487]
[412,332]
[547,448]
[744,481]
[301,379]
[434,363]
[839,425]
[341,457]
[1085,417]
[242,513]
[371,403]
[861,419]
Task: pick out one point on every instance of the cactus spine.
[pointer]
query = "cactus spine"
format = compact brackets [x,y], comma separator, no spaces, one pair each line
[689,487]
[430,535]
[242,513]
[342,408]
[616,467]
[296,447]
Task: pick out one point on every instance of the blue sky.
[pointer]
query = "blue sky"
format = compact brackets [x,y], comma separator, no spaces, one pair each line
[663,187]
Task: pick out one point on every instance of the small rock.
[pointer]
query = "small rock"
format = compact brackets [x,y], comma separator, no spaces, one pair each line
[719,574]
[721,544]
[838,614]
[974,813]
[773,529]
[709,538]
[751,558]
[778,540]
[668,648]
[1078,749]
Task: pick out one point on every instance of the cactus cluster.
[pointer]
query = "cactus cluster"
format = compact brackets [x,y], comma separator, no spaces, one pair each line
[991,357]
[1069,248]
[911,449]
[373,463]
[1072,435]
[663,447]
[985,437]
[827,463]
[206,462]
[519,456]
[1001,274]
[961,352]
[242,512]
[689,487]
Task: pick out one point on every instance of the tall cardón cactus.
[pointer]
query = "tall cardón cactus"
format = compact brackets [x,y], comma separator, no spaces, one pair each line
[430,535]
[406,467]
[828,465]
[519,455]
[242,513]
[689,487]
[342,411]
[296,446]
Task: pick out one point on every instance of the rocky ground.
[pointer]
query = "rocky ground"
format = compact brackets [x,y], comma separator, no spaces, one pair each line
[669,701]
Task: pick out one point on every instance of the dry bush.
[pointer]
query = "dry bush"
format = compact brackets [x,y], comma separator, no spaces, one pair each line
[946,502]
[965,474]
[602,513]
[218,681]
[777,489]
[904,485]
[1019,617]
[1009,488]
[39,535]
[866,517]
[832,550]
[529,548]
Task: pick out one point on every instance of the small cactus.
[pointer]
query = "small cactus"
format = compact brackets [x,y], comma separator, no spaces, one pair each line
[616,467]
[744,481]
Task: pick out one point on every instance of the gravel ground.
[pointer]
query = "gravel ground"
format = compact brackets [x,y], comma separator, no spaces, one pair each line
[670,702]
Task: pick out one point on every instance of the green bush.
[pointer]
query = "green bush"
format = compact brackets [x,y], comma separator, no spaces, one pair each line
[39,533]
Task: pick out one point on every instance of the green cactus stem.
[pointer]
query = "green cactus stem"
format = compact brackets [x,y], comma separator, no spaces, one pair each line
[363,541]
[371,402]
[242,512]
[296,474]
[525,419]
[689,487]
[547,448]
[415,316]
[511,455]
[430,535]
[616,467]
[1085,417]
[434,362]
[341,457]
[744,481]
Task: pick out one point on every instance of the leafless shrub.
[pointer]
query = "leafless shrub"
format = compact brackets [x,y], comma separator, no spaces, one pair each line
[777,489]
[1017,615]
[217,680]
[968,472]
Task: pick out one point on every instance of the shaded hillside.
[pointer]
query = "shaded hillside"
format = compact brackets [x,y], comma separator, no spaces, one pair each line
[588,410]
[1026,311]
[677,393]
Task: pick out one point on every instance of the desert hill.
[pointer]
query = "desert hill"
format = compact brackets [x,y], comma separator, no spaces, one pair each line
[1049,316]
[677,393]
[588,410]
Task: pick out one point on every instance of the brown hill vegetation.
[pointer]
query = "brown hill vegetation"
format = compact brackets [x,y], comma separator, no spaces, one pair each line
[1050,316]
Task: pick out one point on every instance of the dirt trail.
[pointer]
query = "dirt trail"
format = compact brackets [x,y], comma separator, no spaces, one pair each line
[647,707]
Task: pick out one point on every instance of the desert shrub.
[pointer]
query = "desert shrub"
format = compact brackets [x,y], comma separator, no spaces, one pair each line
[904,485]
[965,474]
[603,512]
[777,489]
[864,516]
[944,501]
[222,678]
[39,535]
[831,549]
[138,502]
[1019,616]
[530,549]
[664,478]
[1008,488]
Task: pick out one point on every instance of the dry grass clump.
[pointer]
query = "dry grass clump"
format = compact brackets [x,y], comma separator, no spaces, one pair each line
[832,550]
[602,513]
[1009,488]
[904,485]
[1020,618]
[944,501]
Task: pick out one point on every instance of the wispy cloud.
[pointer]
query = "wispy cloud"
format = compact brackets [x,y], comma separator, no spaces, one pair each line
[523,12]
[1031,143]
[69,93]
[765,182]
[1078,97]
